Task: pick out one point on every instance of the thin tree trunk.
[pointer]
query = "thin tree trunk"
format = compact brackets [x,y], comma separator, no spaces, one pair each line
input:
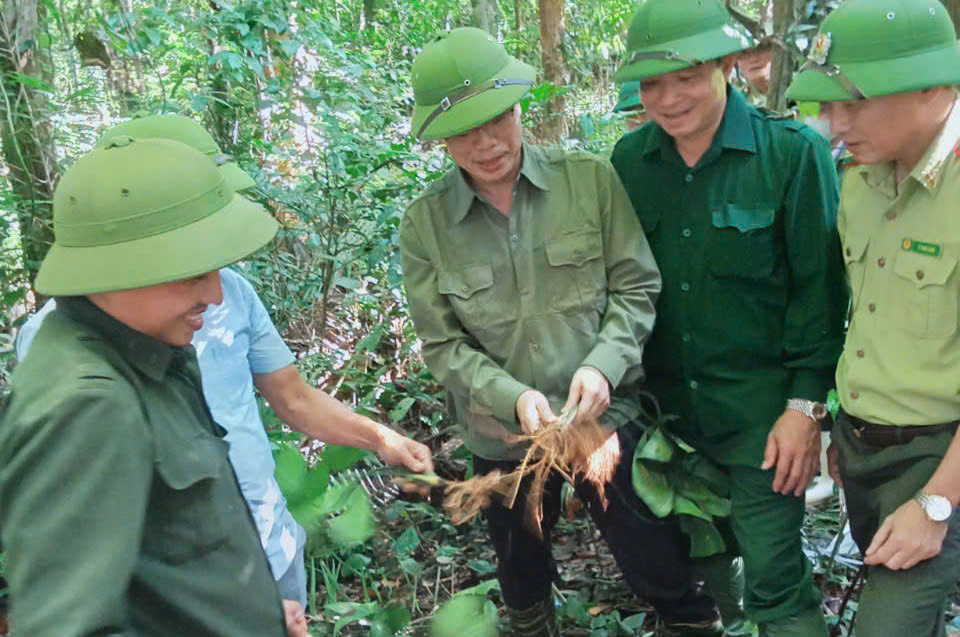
[785,14]
[485,15]
[517,19]
[554,126]
[28,148]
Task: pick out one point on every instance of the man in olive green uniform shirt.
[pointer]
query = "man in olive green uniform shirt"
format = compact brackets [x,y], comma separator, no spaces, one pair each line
[739,209]
[119,510]
[886,73]
[532,288]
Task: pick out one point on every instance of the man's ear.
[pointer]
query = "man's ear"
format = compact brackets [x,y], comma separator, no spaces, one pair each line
[726,64]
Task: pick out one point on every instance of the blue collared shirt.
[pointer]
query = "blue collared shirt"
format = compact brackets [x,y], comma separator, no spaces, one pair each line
[237,340]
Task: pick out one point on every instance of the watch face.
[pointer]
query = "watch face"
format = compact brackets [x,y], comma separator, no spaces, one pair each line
[937,507]
[819,411]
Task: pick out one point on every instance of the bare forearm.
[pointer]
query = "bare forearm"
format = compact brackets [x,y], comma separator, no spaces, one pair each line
[318,415]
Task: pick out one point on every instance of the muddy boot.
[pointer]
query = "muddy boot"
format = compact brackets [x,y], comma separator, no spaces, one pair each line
[540,620]
[809,623]
[722,577]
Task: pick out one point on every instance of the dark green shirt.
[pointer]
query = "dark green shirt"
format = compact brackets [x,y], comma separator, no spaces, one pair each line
[119,511]
[504,304]
[753,299]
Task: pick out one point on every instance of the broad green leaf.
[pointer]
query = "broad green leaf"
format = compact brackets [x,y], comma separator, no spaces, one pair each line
[464,616]
[655,445]
[483,567]
[701,468]
[291,469]
[692,488]
[407,542]
[355,524]
[705,540]
[349,612]
[389,621]
[481,589]
[653,488]
[686,506]
[634,623]
[336,458]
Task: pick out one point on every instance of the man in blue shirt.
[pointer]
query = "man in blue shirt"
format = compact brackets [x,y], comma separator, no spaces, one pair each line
[239,348]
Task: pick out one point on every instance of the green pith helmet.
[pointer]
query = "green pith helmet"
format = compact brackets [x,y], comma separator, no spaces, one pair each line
[464,79]
[629,98]
[870,48]
[669,35]
[186,131]
[143,212]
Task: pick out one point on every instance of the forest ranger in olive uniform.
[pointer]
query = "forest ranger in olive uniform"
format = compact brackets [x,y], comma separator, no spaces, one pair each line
[532,288]
[120,513]
[739,209]
[886,73]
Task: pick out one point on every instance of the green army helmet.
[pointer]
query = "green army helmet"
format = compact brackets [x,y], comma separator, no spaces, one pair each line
[186,131]
[143,212]
[464,79]
[628,98]
[870,48]
[669,35]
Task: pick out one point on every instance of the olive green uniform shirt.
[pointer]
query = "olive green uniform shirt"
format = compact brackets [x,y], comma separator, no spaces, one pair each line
[753,299]
[505,304]
[119,511]
[901,246]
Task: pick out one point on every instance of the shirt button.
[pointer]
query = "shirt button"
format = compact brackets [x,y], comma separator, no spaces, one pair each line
[919,275]
[872,307]
[464,289]
[694,384]
[688,178]
[523,290]
[891,215]
[686,233]
[514,238]
[848,252]
[685,286]
[685,338]
[854,395]
[534,346]
[881,262]
[860,353]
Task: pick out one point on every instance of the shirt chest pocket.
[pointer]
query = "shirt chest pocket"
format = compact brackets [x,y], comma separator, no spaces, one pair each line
[471,293]
[742,243]
[576,277]
[924,294]
[192,505]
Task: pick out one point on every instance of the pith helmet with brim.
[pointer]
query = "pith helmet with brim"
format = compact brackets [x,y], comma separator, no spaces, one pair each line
[143,212]
[629,98]
[669,35]
[186,131]
[870,48]
[464,79]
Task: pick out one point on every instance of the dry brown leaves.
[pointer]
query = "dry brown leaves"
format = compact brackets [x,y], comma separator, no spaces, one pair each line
[581,449]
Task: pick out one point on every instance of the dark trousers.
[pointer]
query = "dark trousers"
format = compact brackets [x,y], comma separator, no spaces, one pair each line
[652,554]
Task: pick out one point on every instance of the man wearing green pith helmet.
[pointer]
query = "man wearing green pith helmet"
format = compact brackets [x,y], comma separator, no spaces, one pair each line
[739,209]
[885,72]
[121,513]
[532,288]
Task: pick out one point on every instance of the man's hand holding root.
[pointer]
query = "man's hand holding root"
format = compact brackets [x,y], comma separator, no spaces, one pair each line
[533,411]
[602,463]
[590,393]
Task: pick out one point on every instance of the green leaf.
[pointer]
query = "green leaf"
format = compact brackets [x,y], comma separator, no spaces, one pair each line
[705,540]
[407,543]
[686,506]
[355,524]
[464,616]
[337,458]
[653,488]
[692,488]
[398,412]
[291,469]
[290,47]
[655,445]
[389,621]
[702,469]
[634,623]
[483,567]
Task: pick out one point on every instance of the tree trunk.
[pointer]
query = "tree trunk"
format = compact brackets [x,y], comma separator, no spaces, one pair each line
[554,126]
[785,14]
[485,15]
[517,17]
[368,12]
[953,8]
[28,148]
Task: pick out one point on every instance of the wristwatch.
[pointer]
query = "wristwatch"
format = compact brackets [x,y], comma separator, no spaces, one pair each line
[937,507]
[809,408]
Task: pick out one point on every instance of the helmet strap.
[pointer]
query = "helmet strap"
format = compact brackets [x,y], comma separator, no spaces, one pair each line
[833,72]
[466,93]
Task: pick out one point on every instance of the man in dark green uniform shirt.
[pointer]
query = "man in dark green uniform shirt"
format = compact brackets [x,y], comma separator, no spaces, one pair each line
[119,510]
[739,209]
